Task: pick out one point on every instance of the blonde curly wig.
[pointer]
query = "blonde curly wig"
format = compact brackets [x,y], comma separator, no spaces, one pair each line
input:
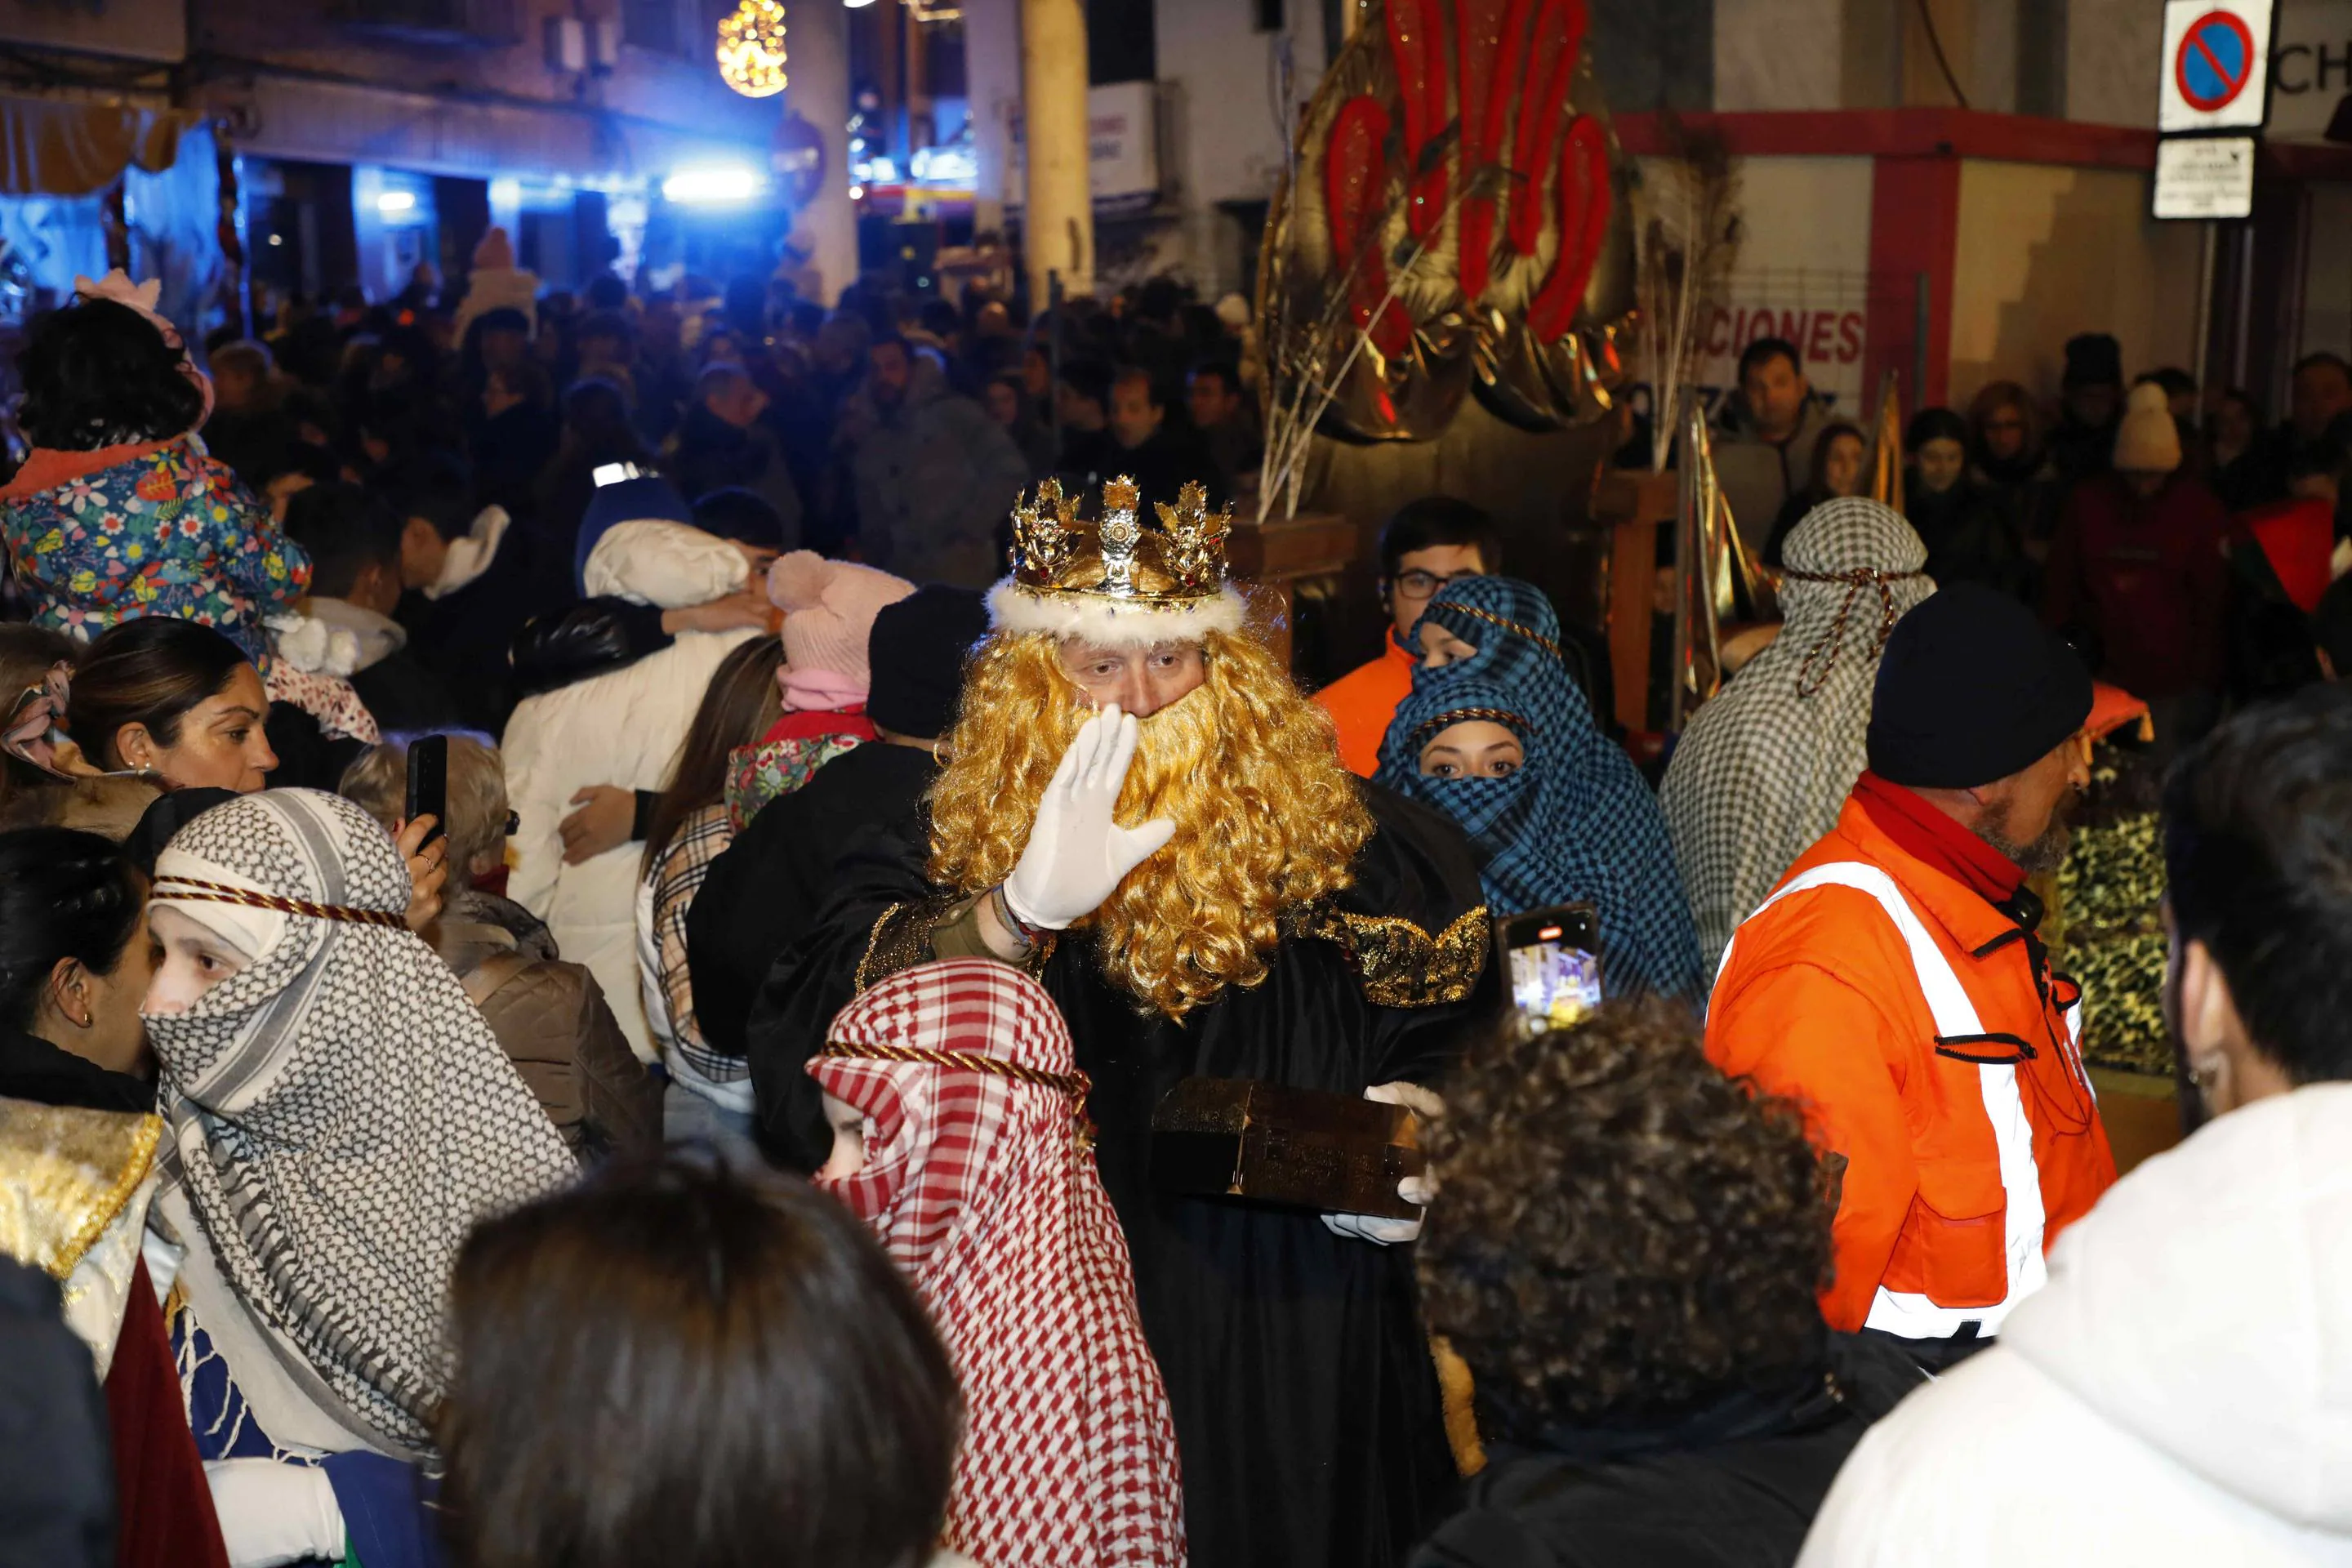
[1267,821]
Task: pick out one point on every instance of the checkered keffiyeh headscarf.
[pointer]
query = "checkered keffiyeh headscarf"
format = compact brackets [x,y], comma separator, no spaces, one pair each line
[1764,767]
[1576,821]
[980,1183]
[339,1115]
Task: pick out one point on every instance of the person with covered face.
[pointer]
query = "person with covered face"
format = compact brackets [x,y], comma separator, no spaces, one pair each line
[336,1117]
[959,1134]
[1498,737]
[1895,985]
[1137,806]
[1765,766]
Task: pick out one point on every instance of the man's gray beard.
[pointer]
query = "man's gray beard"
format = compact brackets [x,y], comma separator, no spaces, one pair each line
[2046,853]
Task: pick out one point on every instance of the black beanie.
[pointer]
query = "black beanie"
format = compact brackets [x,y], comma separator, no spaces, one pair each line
[2094,359]
[915,652]
[1972,689]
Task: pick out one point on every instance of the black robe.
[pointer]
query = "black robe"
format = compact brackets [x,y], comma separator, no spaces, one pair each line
[1307,1407]
[769,885]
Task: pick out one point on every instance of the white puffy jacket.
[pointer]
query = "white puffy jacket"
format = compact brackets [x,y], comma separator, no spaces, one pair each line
[623,728]
[2176,1395]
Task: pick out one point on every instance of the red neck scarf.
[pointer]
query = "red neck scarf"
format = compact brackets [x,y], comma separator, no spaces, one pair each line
[1922,830]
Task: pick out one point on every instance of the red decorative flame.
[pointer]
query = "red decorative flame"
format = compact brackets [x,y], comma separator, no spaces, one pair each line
[1583,198]
[1417,46]
[1353,178]
[1513,59]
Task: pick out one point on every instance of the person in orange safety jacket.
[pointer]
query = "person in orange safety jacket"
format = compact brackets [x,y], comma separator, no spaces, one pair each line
[1894,986]
[1427,544]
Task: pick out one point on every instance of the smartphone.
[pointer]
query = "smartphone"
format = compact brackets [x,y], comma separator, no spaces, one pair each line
[613,473]
[428,782]
[1553,959]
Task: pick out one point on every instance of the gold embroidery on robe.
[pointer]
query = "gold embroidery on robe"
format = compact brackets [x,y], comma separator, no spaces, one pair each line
[902,937]
[69,1172]
[1401,965]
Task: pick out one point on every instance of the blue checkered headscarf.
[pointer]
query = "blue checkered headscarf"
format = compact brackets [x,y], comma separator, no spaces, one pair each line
[1576,821]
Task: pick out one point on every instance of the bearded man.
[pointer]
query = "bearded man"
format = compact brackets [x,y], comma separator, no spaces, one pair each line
[1138,807]
[1893,985]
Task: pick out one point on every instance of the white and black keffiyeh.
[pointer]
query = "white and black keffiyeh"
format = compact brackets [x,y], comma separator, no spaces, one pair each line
[1764,767]
[339,1115]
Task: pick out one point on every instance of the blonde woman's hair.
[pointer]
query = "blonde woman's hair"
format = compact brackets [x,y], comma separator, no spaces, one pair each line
[378,784]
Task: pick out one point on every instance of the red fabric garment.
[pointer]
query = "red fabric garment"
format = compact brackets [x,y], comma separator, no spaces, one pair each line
[164,1505]
[47,468]
[2297,537]
[2146,575]
[1918,828]
[983,1191]
[798,724]
[2112,708]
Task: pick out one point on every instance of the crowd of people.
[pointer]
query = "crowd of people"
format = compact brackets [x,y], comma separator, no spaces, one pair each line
[758,960]
[2185,546]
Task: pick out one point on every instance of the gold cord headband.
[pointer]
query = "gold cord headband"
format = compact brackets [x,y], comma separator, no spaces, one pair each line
[1855,579]
[1073,1084]
[186,889]
[1491,618]
[1464,715]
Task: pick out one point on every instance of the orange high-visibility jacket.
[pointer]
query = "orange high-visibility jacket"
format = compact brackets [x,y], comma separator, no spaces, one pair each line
[1901,1011]
[1362,702]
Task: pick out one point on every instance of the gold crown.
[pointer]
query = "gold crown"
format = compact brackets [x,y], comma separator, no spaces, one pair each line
[1117,557]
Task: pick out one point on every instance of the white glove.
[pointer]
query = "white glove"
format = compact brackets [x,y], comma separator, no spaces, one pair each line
[1077,855]
[273,1514]
[1375,1229]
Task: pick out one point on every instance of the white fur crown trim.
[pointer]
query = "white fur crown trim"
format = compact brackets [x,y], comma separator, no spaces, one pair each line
[1015,610]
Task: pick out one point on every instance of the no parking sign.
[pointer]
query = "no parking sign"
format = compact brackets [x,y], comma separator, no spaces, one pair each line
[2216,71]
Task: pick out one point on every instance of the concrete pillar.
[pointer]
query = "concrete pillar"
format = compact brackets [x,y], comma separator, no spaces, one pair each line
[922,131]
[817,45]
[1058,219]
[991,74]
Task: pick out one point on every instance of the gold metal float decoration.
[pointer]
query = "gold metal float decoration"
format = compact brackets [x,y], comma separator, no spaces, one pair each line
[1455,223]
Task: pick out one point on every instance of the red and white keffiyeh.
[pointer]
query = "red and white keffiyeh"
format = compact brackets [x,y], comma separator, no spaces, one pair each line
[980,1182]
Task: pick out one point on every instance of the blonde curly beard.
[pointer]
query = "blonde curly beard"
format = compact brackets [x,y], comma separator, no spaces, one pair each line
[1266,819]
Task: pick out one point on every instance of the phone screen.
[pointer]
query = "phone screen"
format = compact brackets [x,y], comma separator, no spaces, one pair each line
[428,782]
[1555,969]
[613,473]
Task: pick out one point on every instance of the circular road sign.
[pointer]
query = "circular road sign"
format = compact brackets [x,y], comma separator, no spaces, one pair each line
[2215,61]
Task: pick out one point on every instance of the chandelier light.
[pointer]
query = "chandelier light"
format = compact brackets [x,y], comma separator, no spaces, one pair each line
[752,49]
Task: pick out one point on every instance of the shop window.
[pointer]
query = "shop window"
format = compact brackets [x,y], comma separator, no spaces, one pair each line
[651,25]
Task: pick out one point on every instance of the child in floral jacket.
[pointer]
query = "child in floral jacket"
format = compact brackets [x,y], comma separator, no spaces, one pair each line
[119,513]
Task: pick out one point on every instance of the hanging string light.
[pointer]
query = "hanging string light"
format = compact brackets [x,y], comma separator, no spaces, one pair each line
[752,49]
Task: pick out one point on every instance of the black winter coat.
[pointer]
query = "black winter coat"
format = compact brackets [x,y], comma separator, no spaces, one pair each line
[765,888]
[1736,1484]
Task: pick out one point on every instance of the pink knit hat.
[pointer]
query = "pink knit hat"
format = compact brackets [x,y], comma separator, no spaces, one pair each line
[829,608]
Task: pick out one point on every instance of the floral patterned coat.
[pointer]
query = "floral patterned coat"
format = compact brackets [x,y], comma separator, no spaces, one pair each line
[151,528]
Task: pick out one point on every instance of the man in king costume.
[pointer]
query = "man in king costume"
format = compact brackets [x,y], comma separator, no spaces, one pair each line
[1137,806]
